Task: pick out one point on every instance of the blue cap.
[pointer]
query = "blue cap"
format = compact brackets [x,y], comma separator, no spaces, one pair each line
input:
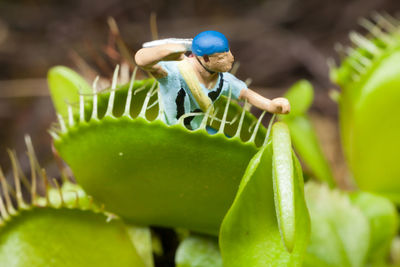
[209,42]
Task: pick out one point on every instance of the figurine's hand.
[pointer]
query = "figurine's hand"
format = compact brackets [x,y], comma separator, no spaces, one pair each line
[279,105]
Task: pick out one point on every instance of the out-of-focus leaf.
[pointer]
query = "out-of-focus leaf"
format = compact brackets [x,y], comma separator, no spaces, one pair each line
[250,234]
[306,144]
[198,251]
[354,229]
[300,96]
[142,240]
[369,113]
[65,86]
[383,222]
[156,245]
[304,138]
[63,237]
[340,233]
[395,251]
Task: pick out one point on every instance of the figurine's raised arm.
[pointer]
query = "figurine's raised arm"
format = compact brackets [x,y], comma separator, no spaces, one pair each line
[278,105]
[147,58]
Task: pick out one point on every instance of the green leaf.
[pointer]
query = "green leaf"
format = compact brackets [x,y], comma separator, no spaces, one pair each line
[306,144]
[150,173]
[142,240]
[250,234]
[198,251]
[125,162]
[305,140]
[339,230]
[395,251]
[369,112]
[65,237]
[283,183]
[300,96]
[65,86]
[383,222]
[349,229]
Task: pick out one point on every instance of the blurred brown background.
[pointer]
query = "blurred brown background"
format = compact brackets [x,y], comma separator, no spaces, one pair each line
[276,42]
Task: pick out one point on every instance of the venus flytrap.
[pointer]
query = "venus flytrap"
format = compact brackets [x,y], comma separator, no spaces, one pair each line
[383,221]
[368,104]
[151,173]
[256,231]
[349,229]
[61,228]
[198,250]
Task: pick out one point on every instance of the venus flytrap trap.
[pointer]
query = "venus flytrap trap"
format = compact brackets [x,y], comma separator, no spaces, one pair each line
[349,229]
[151,173]
[368,104]
[198,250]
[269,226]
[383,225]
[61,228]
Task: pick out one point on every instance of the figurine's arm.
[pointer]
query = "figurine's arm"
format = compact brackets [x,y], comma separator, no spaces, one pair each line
[147,58]
[278,105]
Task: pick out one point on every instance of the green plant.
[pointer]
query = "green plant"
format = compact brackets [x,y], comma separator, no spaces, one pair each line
[368,104]
[61,228]
[197,173]
[349,229]
[235,198]
[305,140]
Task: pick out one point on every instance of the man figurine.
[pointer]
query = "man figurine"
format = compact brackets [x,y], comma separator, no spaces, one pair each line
[192,84]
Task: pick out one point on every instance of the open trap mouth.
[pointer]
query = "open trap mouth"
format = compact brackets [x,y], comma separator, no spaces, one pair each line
[141,100]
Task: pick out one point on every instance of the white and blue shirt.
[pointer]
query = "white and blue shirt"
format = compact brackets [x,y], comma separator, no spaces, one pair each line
[178,100]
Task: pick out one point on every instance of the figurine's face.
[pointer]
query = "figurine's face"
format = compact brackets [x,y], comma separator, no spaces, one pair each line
[219,62]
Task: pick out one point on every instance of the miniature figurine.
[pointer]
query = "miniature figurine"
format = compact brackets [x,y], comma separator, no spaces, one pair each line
[191,84]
